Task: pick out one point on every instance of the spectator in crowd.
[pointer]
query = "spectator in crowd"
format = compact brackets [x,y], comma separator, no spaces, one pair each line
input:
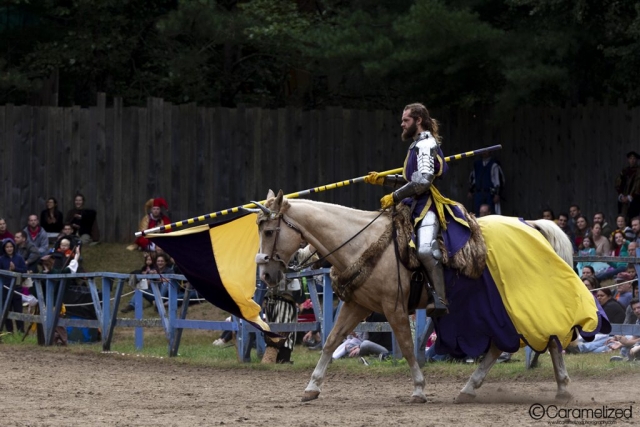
[587,271]
[51,219]
[149,267]
[485,184]
[574,213]
[629,345]
[628,187]
[630,317]
[563,223]
[27,251]
[548,214]
[63,261]
[598,218]
[225,337]
[12,261]
[615,314]
[612,308]
[582,229]
[153,217]
[4,233]
[84,221]
[621,224]
[485,210]
[36,235]
[595,267]
[591,283]
[68,232]
[624,289]
[600,242]
[631,249]
[366,343]
[619,248]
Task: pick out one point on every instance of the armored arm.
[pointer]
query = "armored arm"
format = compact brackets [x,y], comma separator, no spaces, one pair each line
[422,178]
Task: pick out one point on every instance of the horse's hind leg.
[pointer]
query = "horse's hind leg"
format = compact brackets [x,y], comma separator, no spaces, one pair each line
[468,393]
[560,371]
[350,315]
[399,322]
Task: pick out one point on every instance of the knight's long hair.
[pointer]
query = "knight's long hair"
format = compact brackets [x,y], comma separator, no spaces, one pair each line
[418,110]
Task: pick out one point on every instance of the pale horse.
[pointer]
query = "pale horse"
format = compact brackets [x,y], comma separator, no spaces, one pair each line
[284,224]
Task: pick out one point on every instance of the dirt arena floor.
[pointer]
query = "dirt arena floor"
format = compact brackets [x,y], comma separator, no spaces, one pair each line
[58,388]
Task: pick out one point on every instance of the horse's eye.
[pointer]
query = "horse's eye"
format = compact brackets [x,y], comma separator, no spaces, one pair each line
[268,233]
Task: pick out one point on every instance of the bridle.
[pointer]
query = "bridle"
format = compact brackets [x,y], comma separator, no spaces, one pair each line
[264,258]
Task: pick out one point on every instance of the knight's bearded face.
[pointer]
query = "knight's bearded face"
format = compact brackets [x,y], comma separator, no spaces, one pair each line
[410,131]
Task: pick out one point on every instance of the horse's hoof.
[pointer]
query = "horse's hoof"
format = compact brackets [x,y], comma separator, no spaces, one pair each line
[421,398]
[465,398]
[310,395]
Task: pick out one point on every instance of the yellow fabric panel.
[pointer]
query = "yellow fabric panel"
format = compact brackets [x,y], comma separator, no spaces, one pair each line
[543,296]
[235,246]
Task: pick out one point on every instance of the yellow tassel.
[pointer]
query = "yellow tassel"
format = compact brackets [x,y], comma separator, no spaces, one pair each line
[439,200]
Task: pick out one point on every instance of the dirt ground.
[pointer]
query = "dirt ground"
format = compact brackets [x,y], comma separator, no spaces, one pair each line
[58,388]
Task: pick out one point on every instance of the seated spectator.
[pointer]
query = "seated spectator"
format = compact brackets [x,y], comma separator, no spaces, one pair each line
[598,218]
[594,267]
[587,271]
[621,224]
[12,261]
[83,221]
[581,230]
[36,235]
[600,242]
[4,233]
[624,289]
[548,215]
[484,210]
[153,217]
[367,343]
[63,260]
[27,251]
[68,232]
[591,283]
[619,248]
[51,219]
[628,345]
[630,317]
[612,308]
[149,267]
[563,223]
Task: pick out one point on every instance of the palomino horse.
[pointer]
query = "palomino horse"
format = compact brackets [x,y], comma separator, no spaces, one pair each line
[285,223]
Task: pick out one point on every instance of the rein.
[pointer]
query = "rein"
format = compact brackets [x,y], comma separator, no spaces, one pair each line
[304,264]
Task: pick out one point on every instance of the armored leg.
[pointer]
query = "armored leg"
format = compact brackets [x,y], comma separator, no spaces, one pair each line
[431,258]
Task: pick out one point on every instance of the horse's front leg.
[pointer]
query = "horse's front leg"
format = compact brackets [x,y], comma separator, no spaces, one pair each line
[560,371]
[468,393]
[399,322]
[350,315]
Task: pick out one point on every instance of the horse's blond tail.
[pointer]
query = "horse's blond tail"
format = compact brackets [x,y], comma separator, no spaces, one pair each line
[558,239]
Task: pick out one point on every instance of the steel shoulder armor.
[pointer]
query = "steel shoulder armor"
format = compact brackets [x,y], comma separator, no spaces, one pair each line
[427,150]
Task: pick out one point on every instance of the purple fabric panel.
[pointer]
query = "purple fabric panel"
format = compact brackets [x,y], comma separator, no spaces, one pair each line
[456,235]
[476,316]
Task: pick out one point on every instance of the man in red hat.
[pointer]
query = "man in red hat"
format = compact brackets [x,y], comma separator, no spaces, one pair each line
[628,188]
[154,217]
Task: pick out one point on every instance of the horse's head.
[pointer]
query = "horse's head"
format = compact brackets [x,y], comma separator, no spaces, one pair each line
[279,239]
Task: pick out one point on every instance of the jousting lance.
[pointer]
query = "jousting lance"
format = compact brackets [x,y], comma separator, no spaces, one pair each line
[202,218]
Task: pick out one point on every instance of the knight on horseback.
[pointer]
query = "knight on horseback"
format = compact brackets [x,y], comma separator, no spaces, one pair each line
[423,164]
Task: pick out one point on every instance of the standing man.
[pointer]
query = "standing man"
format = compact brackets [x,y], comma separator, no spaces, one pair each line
[598,218]
[27,251]
[36,235]
[574,213]
[423,165]
[485,184]
[628,187]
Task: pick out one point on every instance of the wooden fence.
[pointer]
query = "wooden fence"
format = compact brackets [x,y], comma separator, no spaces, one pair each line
[207,159]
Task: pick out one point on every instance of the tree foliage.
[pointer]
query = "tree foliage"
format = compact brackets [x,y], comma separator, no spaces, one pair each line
[314,53]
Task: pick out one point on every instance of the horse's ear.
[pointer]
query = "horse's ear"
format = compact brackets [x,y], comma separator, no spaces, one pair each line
[270,194]
[277,203]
